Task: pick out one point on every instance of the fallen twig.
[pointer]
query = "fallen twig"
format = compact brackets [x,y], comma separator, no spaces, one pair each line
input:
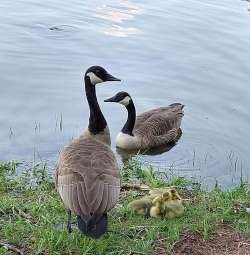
[11,247]
[137,186]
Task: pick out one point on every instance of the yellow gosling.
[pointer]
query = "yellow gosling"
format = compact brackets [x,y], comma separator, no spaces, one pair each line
[158,204]
[174,206]
[141,206]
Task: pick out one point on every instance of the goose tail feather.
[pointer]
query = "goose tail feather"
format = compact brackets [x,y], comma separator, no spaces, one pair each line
[94,227]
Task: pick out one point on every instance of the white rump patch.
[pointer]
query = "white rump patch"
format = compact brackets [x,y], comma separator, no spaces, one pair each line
[125,101]
[93,78]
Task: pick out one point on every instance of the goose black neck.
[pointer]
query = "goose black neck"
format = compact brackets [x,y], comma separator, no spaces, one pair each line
[97,122]
[130,123]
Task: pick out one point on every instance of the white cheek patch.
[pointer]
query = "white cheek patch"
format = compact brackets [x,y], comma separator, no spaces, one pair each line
[125,101]
[94,79]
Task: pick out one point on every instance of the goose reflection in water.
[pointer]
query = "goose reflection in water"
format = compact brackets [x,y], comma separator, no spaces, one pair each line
[127,154]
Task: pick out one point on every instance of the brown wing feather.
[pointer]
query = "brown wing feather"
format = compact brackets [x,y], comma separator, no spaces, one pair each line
[141,118]
[159,126]
[88,178]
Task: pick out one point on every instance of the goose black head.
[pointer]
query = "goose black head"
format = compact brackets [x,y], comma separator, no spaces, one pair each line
[97,74]
[121,98]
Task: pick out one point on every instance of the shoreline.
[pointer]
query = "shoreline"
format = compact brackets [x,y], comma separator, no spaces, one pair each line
[30,210]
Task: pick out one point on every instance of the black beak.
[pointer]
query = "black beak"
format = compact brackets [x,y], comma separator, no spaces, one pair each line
[111,99]
[110,77]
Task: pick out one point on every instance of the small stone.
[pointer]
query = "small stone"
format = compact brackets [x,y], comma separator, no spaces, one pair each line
[248,209]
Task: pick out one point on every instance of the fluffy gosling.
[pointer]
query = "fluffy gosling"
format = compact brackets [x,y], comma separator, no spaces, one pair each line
[173,207]
[161,202]
[141,206]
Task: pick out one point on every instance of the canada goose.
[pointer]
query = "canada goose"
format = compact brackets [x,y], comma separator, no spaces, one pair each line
[158,191]
[168,205]
[173,207]
[87,174]
[174,194]
[157,208]
[141,206]
[149,129]
[127,154]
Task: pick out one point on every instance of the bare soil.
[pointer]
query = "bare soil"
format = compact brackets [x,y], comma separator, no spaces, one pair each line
[224,241]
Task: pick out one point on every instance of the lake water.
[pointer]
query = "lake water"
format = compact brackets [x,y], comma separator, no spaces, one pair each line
[194,52]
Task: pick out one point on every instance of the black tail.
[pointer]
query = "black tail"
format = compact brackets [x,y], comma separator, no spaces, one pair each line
[93,227]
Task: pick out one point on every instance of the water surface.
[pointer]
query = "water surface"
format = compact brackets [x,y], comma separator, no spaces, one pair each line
[194,52]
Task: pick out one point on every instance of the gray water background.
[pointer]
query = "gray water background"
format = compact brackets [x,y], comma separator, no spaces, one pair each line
[194,52]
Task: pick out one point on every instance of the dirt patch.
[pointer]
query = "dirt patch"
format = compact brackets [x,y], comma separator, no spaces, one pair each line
[225,241]
[159,251]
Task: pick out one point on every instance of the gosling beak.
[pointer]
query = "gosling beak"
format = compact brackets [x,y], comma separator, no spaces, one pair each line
[110,77]
[111,99]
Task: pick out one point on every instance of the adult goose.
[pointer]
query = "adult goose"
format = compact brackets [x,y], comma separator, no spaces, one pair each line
[150,129]
[87,174]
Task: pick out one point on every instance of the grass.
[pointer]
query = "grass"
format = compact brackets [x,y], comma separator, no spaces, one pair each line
[30,208]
